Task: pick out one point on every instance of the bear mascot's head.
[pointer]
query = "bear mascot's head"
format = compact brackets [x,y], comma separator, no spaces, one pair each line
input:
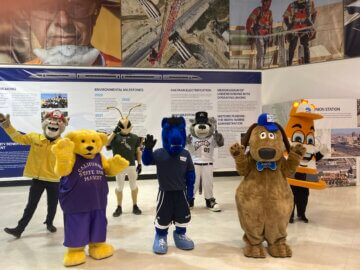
[87,142]
[202,126]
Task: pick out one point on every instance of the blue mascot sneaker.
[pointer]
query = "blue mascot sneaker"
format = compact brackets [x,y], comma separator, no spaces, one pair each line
[160,244]
[183,242]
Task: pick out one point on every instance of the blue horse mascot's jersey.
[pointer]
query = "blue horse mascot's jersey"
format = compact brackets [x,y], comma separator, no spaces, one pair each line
[172,156]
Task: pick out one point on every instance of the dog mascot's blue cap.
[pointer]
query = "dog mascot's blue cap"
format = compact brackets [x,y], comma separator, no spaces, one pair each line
[267,121]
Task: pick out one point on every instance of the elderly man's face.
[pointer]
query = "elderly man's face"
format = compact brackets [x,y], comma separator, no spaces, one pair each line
[63,22]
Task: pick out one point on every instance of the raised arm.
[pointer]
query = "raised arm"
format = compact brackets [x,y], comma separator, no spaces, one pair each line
[293,160]
[12,132]
[242,162]
[114,165]
[65,157]
[147,155]
[112,137]
[219,139]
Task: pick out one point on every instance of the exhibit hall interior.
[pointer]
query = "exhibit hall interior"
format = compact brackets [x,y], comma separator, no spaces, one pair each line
[173,134]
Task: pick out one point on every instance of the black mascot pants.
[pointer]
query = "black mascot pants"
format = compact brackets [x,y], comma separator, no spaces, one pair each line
[172,207]
[301,196]
[36,189]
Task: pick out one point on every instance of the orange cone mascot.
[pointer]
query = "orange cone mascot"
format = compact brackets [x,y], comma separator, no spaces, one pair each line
[300,130]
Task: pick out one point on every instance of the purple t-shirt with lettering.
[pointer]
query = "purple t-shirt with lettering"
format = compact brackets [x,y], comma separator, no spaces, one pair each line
[85,188]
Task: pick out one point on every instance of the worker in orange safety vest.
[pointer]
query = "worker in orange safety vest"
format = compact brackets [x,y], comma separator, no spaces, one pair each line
[299,17]
[259,27]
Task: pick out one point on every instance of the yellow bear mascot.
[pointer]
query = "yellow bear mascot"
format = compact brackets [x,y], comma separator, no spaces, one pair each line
[83,193]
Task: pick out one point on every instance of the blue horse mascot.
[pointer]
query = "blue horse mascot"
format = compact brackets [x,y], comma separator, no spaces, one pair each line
[176,176]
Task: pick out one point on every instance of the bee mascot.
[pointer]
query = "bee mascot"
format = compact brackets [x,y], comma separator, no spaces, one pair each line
[127,144]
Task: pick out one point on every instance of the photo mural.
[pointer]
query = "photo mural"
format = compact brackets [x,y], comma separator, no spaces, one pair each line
[61,32]
[215,34]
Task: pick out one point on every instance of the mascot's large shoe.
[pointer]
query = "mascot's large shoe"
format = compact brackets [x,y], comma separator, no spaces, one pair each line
[212,205]
[74,256]
[280,250]
[183,242]
[100,251]
[160,244]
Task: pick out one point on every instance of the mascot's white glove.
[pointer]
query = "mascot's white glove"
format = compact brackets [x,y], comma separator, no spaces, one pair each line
[4,120]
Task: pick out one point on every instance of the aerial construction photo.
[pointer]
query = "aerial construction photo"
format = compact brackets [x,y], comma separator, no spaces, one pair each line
[175,33]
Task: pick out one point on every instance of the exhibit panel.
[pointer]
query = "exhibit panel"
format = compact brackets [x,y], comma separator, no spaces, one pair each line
[84,95]
[339,131]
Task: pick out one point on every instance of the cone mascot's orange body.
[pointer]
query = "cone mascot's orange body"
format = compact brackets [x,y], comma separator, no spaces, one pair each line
[300,130]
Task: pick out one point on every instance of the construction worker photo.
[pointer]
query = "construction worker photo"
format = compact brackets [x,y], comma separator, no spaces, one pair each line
[299,18]
[259,28]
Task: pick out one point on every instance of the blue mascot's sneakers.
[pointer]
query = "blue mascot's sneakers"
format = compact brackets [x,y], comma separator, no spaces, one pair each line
[160,244]
[183,242]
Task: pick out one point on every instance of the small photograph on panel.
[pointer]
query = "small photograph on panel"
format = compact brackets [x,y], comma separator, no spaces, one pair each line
[345,142]
[54,100]
[175,33]
[338,172]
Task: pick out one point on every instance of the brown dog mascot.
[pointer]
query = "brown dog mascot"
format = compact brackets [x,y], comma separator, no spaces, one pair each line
[264,199]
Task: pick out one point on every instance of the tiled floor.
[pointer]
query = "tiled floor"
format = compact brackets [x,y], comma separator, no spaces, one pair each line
[331,240]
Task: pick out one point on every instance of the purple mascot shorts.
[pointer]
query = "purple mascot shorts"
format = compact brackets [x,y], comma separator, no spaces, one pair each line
[84,228]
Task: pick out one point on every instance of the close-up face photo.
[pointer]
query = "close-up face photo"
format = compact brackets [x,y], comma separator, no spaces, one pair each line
[63,22]
[62,32]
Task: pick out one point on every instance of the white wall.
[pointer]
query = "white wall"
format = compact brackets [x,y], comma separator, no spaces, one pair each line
[335,79]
